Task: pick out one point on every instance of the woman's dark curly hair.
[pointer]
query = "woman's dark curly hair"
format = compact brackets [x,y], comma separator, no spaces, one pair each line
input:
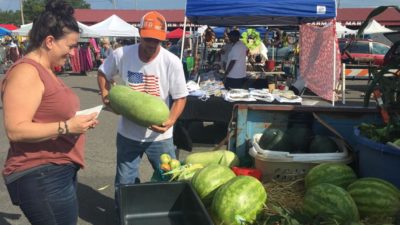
[56,20]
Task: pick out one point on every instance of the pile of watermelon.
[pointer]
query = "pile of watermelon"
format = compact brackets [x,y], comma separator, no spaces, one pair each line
[296,140]
[231,199]
[335,193]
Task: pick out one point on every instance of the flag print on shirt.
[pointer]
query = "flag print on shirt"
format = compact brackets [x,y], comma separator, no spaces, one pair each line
[143,83]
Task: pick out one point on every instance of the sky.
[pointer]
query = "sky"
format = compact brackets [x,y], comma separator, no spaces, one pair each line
[180,4]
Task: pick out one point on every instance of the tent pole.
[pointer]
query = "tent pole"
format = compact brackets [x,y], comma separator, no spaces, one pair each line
[334,68]
[344,83]
[183,37]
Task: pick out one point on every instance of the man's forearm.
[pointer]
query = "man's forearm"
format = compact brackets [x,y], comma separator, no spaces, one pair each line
[102,82]
[177,108]
[230,66]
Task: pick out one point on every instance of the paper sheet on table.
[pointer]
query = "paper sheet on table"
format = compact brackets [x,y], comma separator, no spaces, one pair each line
[90,110]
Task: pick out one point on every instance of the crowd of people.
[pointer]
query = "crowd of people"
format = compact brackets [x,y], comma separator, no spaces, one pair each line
[10,51]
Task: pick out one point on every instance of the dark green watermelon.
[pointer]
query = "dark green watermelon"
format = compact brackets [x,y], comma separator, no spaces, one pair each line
[323,144]
[270,138]
[300,138]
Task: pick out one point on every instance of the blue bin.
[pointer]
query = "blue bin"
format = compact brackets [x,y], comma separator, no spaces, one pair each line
[377,159]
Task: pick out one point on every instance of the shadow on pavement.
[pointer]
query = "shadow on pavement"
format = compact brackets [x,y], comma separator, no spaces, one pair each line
[94,207]
[87,89]
[8,216]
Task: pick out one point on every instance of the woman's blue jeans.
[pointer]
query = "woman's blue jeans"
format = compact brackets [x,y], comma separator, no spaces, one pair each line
[129,155]
[48,196]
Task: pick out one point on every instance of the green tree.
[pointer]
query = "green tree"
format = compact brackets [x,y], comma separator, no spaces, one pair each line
[34,7]
[10,16]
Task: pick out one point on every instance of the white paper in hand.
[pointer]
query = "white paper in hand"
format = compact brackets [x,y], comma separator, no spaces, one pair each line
[90,110]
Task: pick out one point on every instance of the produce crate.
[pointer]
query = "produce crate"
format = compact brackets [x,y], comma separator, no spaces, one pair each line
[161,203]
[377,159]
[285,166]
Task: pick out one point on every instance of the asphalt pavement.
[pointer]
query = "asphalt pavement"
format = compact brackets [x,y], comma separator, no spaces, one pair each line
[95,190]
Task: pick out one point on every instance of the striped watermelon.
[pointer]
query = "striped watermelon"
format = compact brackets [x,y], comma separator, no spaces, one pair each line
[338,174]
[330,201]
[375,198]
[239,201]
[207,180]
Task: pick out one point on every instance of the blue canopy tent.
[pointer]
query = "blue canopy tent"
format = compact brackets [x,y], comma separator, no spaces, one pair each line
[258,12]
[4,32]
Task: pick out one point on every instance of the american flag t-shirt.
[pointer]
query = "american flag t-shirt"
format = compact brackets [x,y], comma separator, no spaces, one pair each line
[144,83]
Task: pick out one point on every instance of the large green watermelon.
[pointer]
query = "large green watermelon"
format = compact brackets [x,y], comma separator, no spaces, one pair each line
[338,174]
[375,198]
[239,201]
[222,157]
[207,180]
[141,108]
[330,201]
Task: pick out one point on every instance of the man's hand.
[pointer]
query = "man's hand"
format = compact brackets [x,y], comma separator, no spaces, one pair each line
[104,97]
[163,127]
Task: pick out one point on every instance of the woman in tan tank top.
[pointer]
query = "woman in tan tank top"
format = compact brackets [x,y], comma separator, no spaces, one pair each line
[46,138]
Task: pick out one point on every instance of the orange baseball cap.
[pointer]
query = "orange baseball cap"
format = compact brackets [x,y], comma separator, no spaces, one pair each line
[153,25]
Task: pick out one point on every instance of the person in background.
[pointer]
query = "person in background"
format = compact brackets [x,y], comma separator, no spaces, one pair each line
[106,49]
[46,138]
[3,57]
[168,45]
[13,53]
[235,71]
[226,48]
[150,68]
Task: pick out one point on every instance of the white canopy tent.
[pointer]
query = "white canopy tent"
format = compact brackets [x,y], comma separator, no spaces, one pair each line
[86,31]
[374,27]
[114,26]
[342,30]
[23,30]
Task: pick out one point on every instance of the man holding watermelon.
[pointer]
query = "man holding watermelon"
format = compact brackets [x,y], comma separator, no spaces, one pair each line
[150,68]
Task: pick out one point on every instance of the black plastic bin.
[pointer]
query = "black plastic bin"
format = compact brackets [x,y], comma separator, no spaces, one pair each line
[162,203]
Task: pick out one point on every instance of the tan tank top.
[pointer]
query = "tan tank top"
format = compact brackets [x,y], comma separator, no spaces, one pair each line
[58,103]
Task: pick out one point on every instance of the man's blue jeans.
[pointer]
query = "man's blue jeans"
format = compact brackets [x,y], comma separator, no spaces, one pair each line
[129,155]
[47,196]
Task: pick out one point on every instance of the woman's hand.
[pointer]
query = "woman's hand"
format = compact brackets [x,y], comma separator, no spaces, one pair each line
[80,124]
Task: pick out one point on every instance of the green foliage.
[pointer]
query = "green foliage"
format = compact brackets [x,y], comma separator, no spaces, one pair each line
[381,133]
[10,17]
[32,8]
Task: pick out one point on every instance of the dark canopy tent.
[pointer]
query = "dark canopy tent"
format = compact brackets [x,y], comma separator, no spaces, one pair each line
[258,12]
